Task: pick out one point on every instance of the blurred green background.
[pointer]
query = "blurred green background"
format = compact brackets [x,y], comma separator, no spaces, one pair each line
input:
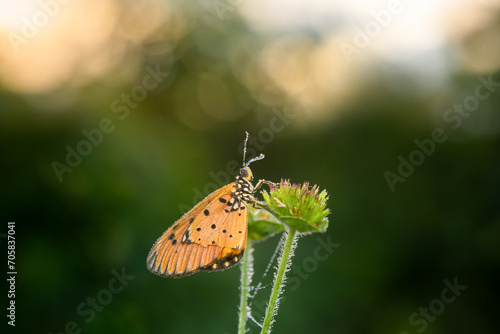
[334,94]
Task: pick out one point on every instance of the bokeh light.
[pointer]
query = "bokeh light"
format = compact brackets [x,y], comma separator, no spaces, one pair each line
[118,116]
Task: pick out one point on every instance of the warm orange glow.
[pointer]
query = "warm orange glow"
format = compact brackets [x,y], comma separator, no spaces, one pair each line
[74,43]
[77,41]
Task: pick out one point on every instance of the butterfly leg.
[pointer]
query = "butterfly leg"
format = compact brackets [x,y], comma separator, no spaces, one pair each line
[255,201]
[261,182]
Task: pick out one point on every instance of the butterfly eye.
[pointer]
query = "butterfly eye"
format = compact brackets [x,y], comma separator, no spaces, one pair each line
[246,173]
[243,172]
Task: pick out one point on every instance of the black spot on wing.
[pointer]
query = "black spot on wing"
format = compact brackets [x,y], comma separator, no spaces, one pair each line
[225,262]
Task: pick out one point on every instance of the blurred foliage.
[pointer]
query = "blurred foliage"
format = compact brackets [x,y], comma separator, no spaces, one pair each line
[170,148]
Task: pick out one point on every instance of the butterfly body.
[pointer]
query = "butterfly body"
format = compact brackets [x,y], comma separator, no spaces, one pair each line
[211,236]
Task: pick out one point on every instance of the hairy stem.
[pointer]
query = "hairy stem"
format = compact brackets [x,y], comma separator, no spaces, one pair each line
[283,266]
[245,281]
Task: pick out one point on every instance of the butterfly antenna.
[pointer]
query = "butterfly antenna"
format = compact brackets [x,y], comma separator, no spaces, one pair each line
[245,147]
[260,157]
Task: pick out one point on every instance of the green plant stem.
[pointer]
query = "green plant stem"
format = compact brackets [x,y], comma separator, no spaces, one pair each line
[278,282]
[246,279]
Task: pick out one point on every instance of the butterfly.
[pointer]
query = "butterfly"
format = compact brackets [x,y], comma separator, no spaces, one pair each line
[212,236]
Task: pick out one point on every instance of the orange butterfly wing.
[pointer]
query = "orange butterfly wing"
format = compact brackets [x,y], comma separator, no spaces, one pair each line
[210,236]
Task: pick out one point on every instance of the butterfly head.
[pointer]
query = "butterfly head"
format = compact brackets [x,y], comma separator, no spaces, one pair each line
[246,173]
